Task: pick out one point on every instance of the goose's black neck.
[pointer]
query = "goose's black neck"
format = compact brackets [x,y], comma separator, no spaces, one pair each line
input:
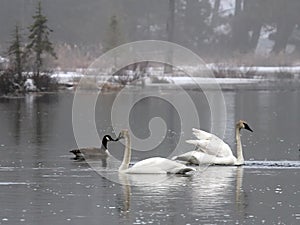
[104,142]
[106,139]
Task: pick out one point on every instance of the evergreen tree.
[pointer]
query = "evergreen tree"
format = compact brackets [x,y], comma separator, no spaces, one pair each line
[15,52]
[39,42]
[113,37]
[170,35]
[114,34]
[215,11]
[199,35]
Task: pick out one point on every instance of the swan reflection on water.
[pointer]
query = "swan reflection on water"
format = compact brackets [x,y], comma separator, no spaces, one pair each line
[205,194]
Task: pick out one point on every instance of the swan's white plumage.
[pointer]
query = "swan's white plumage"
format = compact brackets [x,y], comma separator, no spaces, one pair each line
[158,165]
[198,157]
[155,165]
[201,134]
[210,149]
[210,144]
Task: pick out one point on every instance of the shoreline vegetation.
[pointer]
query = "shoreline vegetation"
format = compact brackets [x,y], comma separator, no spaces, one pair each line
[65,75]
[227,76]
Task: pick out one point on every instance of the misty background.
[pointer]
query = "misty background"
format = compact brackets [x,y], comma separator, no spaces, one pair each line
[252,32]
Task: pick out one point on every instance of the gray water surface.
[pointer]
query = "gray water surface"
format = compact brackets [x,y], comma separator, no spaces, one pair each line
[40,184]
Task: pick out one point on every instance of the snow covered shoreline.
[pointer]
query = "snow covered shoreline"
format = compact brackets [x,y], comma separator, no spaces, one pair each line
[260,73]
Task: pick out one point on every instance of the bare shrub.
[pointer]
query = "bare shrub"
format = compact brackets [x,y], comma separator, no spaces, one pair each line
[256,59]
[74,56]
[8,83]
[227,71]
[159,80]
[44,82]
[130,74]
[88,83]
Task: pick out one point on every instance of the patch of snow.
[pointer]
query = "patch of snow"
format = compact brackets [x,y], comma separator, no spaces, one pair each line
[66,78]
[29,85]
[258,69]
[222,29]
[13,183]
[226,7]
[227,4]
[3,60]
[201,80]
[269,69]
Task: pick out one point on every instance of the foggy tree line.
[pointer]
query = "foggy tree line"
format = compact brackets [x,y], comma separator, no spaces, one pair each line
[244,24]
[201,25]
[251,16]
[197,24]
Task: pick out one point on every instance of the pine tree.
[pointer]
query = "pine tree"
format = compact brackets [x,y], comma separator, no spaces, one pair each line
[199,35]
[113,37]
[16,54]
[114,34]
[39,42]
[170,35]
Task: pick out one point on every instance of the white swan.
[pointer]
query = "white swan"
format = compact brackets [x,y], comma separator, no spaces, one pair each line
[212,150]
[155,165]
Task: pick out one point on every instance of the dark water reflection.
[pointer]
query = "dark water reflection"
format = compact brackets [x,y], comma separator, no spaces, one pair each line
[39,184]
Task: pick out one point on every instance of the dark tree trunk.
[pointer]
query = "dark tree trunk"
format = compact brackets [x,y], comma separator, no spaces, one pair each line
[240,35]
[170,34]
[284,31]
[170,23]
[215,11]
[239,32]
[255,36]
[238,7]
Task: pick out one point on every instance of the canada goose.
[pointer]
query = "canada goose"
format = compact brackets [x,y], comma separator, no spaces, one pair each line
[210,149]
[102,152]
[155,165]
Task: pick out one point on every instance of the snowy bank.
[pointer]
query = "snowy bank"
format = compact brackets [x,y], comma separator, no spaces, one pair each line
[201,75]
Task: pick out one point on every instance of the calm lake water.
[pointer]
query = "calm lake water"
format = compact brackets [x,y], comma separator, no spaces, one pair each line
[40,184]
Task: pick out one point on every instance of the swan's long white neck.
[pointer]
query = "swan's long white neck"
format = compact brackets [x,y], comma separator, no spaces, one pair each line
[127,153]
[239,149]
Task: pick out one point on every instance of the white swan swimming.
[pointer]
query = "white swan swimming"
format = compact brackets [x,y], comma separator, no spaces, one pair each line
[155,165]
[210,149]
[94,152]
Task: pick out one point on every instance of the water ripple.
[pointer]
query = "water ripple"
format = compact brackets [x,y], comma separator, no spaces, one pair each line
[273,164]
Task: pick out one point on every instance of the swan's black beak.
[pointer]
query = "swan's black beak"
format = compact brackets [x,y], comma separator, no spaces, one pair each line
[247,127]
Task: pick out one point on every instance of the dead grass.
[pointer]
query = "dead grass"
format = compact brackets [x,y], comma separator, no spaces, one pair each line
[252,59]
[71,57]
[88,83]
[225,71]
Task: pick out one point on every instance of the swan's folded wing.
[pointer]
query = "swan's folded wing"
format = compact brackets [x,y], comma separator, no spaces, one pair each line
[150,162]
[159,165]
[201,134]
[145,170]
[213,146]
[196,158]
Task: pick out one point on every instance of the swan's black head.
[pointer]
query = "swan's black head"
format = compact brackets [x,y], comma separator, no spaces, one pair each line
[241,124]
[246,126]
[106,139]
